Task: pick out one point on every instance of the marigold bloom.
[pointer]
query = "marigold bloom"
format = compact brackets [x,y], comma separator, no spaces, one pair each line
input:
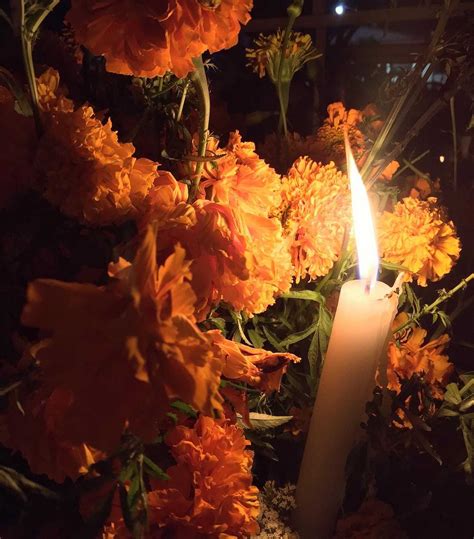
[88,173]
[209,493]
[51,97]
[264,58]
[417,236]
[237,257]
[32,432]
[315,213]
[240,178]
[374,519]
[154,37]
[413,356]
[138,331]
[330,136]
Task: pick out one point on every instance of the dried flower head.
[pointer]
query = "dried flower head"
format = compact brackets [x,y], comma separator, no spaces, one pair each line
[329,138]
[416,235]
[264,57]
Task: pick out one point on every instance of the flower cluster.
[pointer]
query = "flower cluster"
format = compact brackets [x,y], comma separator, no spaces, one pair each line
[417,236]
[209,492]
[138,331]
[147,40]
[238,252]
[315,212]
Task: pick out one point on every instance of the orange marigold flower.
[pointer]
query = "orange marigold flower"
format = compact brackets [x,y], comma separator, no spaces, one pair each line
[329,138]
[209,492]
[155,37]
[138,331]
[240,178]
[373,520]
[50,96]
[315,213]
[88,173]
[33,432]
[237,257]
[414,356]
[417,236]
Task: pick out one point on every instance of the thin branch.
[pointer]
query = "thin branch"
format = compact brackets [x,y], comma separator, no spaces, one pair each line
[455,143]
[430,309]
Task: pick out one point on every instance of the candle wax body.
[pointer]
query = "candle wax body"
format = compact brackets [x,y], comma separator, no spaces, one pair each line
[357,342]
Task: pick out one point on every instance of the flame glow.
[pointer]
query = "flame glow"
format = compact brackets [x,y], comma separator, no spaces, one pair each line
[367,254]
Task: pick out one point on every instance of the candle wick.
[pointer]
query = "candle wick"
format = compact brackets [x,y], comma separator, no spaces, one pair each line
[367,286]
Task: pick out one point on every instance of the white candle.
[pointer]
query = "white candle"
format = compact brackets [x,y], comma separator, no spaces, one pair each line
[361,325]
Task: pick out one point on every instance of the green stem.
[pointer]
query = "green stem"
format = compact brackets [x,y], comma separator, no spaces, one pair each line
[294,11]
[199,79]
[417,171]
[429,309]
[27,52]
[413,161]
[455,143]
[417,80]
[181,103]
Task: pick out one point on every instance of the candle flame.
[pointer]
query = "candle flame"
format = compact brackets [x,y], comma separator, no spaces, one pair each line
[367,254]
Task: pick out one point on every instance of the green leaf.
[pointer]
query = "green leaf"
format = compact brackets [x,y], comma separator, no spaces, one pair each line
[309,295]
[265,421]
[219,323]
[185,408]
[319,344]
[237,318]
[273,340]
[393,267]
[299,336]
[257,340]
[153,469]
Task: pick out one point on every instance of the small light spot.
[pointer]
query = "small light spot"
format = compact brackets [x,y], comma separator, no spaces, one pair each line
[339,9]
[441,158]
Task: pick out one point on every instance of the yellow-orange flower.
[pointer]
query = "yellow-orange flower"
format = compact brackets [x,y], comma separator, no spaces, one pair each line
[417,236]
[315,212]
[413,356]
[131,346]
[240,178]
[86,172]
[237,257]
[51,97]
[209,493]
[151,38]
